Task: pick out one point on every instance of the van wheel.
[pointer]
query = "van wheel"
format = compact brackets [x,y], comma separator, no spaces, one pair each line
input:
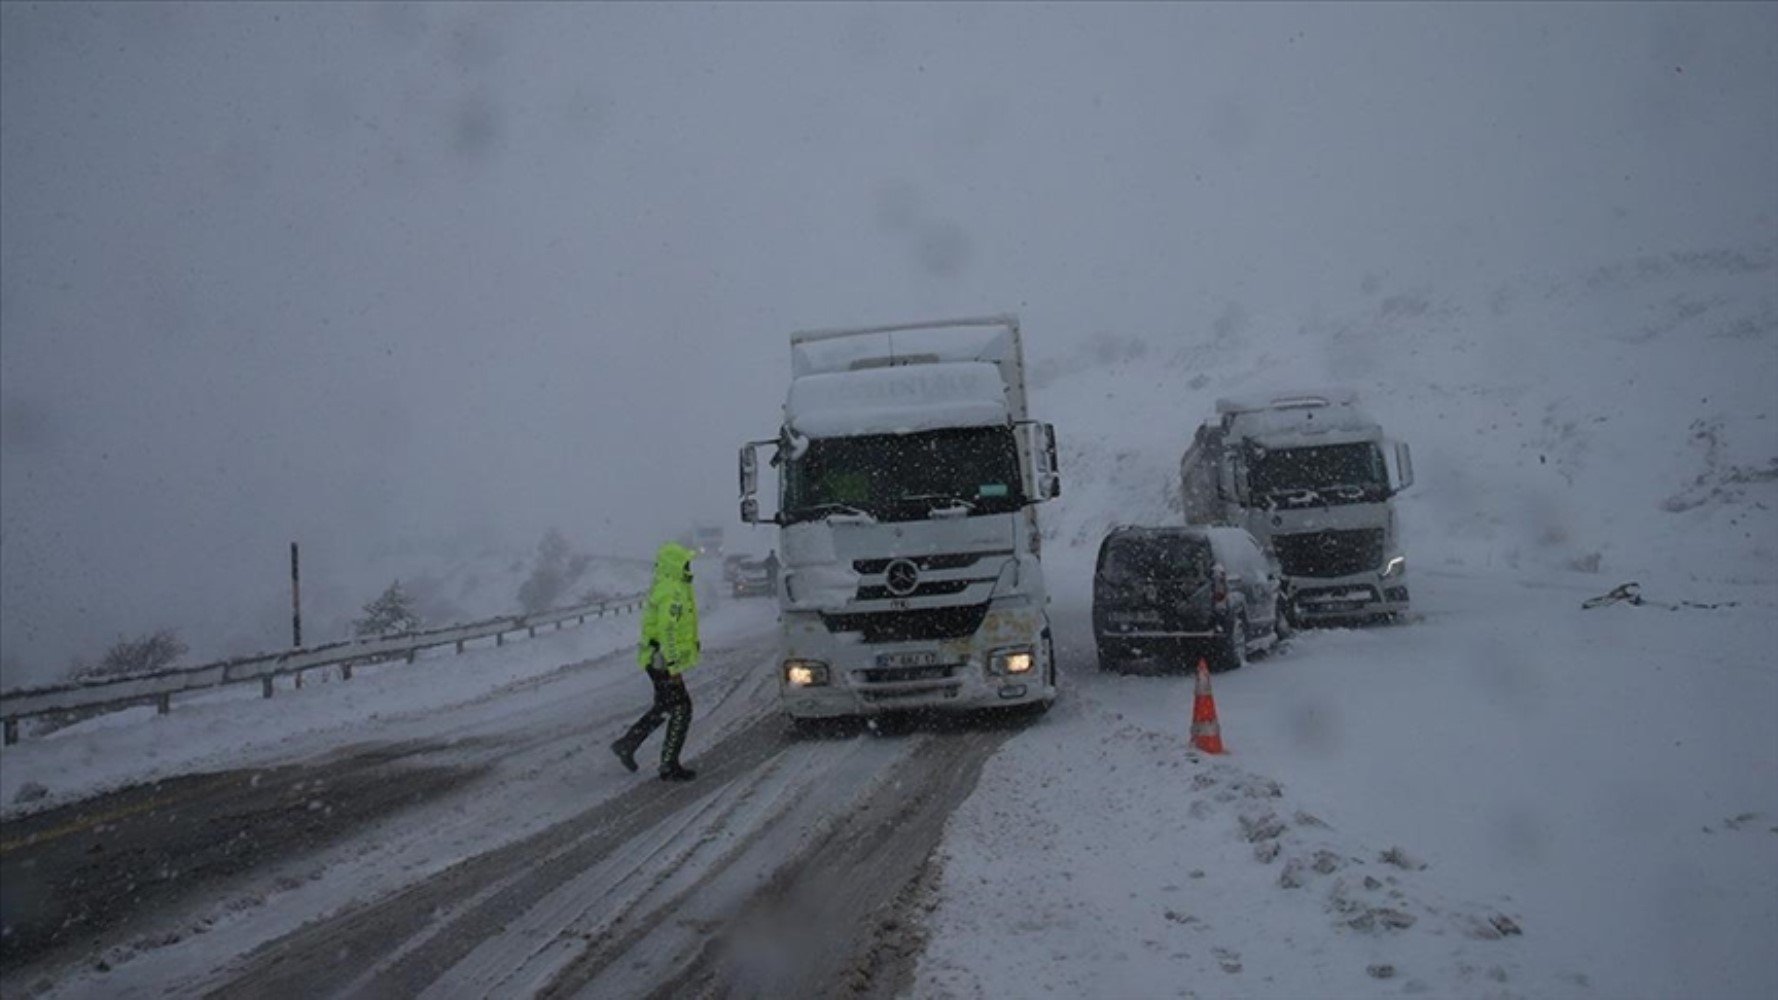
[1049,655]
[1233,654]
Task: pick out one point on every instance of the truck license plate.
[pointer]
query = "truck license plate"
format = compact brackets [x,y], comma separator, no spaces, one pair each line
[924,659]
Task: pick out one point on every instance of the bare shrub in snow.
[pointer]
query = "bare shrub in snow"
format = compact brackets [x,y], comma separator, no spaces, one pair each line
[556,569]
[392,613]
[155,651]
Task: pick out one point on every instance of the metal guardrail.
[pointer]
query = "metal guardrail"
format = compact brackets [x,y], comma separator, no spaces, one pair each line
[110,693]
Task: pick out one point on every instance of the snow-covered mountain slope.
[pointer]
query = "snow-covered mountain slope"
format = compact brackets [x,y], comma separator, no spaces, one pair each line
[1619,419]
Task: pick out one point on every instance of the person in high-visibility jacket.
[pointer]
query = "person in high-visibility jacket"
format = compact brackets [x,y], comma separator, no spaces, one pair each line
[669,648]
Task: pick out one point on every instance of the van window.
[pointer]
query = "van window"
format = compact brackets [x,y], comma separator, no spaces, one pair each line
[1134,559]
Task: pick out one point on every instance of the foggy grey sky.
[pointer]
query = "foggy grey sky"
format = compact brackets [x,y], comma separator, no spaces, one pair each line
[367,276]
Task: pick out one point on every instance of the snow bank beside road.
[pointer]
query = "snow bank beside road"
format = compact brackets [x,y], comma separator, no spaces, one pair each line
[1602,780]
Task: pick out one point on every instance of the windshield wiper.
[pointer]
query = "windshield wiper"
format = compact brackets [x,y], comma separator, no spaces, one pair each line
[830,510]
[953,501]
[1304,497]
[1288,498]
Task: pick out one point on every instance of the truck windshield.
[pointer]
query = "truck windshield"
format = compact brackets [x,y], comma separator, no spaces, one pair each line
[1335,472]
[904,477]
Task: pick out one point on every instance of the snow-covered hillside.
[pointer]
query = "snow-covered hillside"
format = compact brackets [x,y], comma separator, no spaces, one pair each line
[1620,418]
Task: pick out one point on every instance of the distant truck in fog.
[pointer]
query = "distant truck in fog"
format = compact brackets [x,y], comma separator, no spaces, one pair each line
[1312,477]
[706,539]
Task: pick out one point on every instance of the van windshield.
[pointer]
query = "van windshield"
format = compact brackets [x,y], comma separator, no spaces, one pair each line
[1134,559]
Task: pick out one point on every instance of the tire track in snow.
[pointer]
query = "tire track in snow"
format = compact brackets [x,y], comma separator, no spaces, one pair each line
[415,935]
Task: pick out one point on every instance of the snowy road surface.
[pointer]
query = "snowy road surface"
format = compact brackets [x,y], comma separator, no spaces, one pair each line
[454,864]
[1509,797]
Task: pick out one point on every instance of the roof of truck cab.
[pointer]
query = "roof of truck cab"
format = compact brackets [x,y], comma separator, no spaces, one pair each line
[1300,418]
[901,399]
[1315,396]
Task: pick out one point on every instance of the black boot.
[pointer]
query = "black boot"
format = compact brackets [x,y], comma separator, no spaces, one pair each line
[626,754]
[677,772]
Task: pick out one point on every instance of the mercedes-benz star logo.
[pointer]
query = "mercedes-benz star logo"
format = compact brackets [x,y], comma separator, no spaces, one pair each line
[904,576]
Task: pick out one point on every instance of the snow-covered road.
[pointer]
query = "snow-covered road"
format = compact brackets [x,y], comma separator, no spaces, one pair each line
[1507,797]
[491,846]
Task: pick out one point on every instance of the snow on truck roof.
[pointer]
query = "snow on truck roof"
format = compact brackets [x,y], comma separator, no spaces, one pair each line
[985,338]
[1296,399]
[1302,417]
[897,400]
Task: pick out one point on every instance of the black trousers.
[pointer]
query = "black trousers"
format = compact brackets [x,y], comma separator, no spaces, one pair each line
[672,704]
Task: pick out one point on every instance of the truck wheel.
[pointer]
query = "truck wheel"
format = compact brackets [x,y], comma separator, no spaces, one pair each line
[1233,653]
[1108,663]
[814,729]
[1282,626]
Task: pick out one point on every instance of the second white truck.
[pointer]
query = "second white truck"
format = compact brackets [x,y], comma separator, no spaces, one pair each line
[1312,477]
[908,478]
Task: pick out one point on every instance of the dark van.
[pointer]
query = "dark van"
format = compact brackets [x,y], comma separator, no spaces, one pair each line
[1175,594]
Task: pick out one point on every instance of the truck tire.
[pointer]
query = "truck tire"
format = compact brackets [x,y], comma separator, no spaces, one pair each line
[817,729]
[1282,627]
[1109,664]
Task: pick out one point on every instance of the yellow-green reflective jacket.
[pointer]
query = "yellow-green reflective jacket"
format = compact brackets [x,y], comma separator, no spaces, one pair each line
[670,621]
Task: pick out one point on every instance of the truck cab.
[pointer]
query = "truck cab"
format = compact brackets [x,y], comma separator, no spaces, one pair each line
[1313,478]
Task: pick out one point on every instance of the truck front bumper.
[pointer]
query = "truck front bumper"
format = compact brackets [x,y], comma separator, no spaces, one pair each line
[954,675]
[1347,599]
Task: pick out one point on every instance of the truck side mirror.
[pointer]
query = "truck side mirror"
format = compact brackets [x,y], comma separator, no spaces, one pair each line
[1404,466]
[1037,460]
[1229,480]
[1053,486]
[749,469]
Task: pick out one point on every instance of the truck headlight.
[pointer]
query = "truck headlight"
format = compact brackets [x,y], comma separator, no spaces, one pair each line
[1011,661]
[1394,567]
[805,673]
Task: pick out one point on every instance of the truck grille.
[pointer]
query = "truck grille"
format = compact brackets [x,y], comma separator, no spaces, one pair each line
[903,675]
[1330,553]
[948,560]
[916,625]
[932,588]
[876,574]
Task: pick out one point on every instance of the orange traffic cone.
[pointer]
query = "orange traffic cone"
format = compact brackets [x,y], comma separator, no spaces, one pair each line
[1206,731]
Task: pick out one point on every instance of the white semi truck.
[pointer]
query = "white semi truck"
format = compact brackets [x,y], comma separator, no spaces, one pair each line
[1312,477]
[909,475]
